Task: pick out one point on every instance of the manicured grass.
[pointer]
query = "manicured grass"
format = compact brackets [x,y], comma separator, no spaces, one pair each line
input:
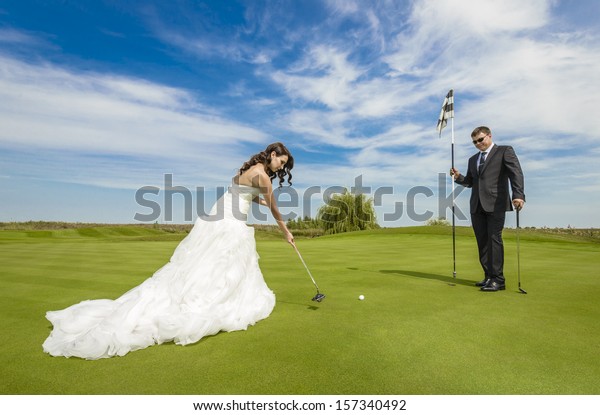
[417,332]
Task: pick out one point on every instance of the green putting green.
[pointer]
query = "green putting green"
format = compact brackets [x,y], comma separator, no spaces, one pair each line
[418,331]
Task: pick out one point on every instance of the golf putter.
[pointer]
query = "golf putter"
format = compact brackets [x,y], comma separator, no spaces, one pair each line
[519,255]
[318,297]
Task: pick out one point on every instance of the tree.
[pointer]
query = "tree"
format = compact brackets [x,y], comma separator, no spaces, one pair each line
[303,223]
[346,212]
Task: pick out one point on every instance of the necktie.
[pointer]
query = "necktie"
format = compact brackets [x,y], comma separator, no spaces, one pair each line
[482,161]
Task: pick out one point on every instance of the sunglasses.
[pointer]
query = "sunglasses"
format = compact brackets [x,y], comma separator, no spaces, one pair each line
[479,140]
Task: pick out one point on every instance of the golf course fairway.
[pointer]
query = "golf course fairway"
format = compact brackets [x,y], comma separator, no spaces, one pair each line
[417,331]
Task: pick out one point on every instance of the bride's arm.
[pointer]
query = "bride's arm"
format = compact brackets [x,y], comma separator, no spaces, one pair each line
[260,201]
[266,189]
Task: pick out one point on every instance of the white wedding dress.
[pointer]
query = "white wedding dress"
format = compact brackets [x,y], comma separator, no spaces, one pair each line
[212,283]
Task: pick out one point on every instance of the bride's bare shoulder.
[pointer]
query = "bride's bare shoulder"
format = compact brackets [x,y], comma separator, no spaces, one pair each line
[252,177]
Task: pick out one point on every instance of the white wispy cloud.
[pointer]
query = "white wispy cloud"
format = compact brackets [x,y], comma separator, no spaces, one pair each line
[504,70]
[48,108]
[12,36]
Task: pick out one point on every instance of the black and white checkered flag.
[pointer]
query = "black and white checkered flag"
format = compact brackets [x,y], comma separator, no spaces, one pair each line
[446,112]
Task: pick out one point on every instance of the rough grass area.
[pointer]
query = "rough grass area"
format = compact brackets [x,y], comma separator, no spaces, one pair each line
[418,331]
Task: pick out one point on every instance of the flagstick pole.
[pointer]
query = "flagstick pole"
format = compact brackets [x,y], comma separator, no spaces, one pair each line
[453,215]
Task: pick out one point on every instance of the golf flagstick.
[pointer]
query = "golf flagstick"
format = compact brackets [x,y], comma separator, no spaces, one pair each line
[318,297]
[453,215]
[519,254]
[448,112]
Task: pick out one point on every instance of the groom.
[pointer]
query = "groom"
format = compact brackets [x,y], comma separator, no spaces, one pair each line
[488,175]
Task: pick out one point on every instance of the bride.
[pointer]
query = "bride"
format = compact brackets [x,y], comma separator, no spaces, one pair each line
[212,283]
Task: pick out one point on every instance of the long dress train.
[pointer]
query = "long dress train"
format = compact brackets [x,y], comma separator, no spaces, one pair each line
[212,283]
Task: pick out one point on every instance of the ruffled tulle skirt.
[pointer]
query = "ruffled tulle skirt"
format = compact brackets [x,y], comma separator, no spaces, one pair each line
[212,283]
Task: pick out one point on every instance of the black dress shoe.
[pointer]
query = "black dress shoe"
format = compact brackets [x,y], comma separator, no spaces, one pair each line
[493,286]
[483,282]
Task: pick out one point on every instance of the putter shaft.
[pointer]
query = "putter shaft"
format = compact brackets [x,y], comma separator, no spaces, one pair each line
[519,254]
[307,270]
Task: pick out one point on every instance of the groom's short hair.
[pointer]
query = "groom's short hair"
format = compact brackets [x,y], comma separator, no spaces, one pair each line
[482,129]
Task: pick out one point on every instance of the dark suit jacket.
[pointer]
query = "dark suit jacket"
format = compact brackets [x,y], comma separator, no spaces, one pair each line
[491,187]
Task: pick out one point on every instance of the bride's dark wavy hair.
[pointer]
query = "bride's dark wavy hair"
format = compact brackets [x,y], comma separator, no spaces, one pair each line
[264,158]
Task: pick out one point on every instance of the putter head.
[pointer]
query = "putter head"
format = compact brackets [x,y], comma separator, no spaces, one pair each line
[319,297]
[522,290]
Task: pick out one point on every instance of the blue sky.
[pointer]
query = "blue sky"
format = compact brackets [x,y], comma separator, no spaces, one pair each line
[101,98]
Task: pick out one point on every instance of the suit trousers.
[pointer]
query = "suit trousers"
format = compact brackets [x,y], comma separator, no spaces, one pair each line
[488,228]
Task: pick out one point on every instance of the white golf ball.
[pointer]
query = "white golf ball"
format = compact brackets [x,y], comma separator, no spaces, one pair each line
[361,297]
